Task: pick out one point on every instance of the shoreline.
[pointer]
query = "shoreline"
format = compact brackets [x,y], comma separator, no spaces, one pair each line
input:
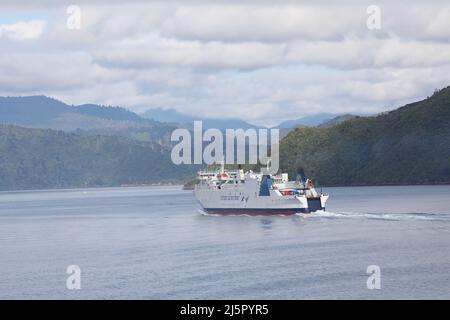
[91,188]
[191,187]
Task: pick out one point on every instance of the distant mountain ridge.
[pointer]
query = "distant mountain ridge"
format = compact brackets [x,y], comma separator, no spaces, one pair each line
[167,115]
[173,116]
[44,112]
[48,113]
[30,110]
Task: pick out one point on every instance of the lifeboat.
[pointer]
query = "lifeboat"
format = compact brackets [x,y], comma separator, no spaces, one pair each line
[288,192]
[223,176]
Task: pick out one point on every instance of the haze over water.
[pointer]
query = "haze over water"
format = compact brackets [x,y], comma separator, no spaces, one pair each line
[154,243]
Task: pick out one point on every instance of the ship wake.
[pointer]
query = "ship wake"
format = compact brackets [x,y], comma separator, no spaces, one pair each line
[380,216]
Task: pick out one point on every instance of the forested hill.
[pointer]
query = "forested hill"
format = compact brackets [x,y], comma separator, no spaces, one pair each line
[410,145]
[42,158]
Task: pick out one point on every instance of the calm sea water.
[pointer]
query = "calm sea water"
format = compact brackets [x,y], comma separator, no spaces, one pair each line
[154,243]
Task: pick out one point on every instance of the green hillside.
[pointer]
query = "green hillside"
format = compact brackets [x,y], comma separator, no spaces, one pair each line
[410,145]
[38,158]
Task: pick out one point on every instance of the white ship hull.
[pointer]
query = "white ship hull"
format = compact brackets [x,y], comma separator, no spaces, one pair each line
[249,196]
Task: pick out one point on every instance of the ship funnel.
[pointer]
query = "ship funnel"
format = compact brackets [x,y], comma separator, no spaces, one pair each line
[301,177]
[222,165]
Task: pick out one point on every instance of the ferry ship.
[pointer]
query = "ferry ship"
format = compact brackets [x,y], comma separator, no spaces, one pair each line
[234,192]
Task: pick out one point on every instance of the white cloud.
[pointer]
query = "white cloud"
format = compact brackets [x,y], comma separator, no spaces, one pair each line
[271,23]
[22,30]
[250,59]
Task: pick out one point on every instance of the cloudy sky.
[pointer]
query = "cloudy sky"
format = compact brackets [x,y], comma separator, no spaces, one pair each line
[248,59]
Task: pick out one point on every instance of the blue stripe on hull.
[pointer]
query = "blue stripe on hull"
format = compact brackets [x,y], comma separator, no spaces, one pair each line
[257,211]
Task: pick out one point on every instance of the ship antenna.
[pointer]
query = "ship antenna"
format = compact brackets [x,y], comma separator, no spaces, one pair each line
[222,165]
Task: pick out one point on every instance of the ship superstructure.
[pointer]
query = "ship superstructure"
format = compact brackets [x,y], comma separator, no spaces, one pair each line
[224,191]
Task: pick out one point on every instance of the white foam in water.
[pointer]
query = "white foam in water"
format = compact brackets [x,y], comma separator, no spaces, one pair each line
[381,216]
[354,215]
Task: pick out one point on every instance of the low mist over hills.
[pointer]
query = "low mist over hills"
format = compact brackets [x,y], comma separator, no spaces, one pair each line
[410,145]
